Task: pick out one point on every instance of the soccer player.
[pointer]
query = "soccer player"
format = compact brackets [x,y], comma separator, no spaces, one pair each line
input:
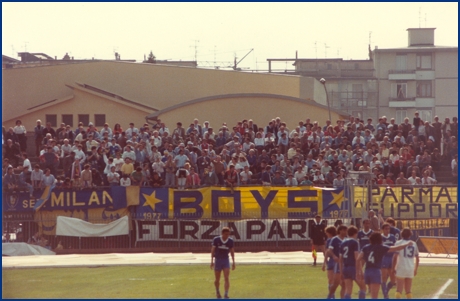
[349,251]
[329,263]
[334,251]
[388,240]
[221,246]
[317,235]
[403,263]
[393,230]
[397,233]
[363,234]
[372,256]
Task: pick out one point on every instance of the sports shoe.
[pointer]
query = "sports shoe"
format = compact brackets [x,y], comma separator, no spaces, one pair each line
[218,296]
[226,297]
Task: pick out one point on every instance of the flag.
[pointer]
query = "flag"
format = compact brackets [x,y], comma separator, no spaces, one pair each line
[44,198]
[313,253]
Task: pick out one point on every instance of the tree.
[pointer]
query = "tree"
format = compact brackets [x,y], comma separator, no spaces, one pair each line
[151,59]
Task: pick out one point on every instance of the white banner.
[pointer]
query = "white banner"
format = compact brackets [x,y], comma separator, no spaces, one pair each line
[205,230]
[68,226]
[23,249]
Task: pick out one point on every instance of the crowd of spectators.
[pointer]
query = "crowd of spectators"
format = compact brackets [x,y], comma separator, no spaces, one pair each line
[242,154]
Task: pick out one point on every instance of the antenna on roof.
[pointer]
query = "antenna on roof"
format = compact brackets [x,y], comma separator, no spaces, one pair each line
[425,20]
[316,50]
[25,46]
[325,50]
[419,17]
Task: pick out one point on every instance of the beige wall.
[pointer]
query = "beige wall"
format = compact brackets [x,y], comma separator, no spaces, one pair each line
[232,110]
[446,64]
[84,103]
[158,86]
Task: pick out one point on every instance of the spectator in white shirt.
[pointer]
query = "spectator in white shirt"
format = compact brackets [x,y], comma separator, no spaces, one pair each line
[291,181]
[426,180]
[245,176]
[125,181]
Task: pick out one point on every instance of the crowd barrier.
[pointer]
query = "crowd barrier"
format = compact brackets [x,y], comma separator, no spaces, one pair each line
[440,245]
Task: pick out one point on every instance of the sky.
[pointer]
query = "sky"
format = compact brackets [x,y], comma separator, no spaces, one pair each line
[216,33]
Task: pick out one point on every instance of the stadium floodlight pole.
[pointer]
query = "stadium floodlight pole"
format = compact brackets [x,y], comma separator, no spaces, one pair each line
[323,81]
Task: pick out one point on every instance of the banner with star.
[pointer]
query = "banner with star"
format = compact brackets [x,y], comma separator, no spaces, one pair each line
[244,203]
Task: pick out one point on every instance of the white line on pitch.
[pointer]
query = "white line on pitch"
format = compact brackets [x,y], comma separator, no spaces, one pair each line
[442,289]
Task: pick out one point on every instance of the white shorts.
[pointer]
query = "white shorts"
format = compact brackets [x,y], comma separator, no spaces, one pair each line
[404,273]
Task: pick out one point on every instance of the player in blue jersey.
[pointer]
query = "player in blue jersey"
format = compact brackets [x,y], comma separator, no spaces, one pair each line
[393,230]
[334,251]
[397,233]
[372,255]
[349,251]
[388,240]
[221,246]
[363,234]
[328,264]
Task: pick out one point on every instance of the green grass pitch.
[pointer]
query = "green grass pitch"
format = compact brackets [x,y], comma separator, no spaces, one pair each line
[196,281]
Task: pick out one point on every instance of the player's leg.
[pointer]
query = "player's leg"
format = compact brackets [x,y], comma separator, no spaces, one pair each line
[399,287]
[227,281]
[408,287]
[392,282]
[348,288]
[336,281]
[362,289]
[217,282]
[385,274]
[342,289]
[330,281]
[375,287]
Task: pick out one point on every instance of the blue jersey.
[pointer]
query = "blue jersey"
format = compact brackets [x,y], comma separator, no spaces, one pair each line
[330,260]
[389,241]
[347,250]
[335,245]
[373,255]
[363,237]
[222,247]
[396,232]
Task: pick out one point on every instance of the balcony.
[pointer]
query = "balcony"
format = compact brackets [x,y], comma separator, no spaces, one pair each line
[401,102]
[401,74]
[366,73]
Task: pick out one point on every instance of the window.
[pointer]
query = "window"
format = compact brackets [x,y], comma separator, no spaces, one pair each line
[84,118]
[424,89]
[329,66]
[401,62]
[400,115]
[356,66]
[52,118]
[424,61]
[401,90]
[67,119]
[425,115]
[357,90]
[99,119]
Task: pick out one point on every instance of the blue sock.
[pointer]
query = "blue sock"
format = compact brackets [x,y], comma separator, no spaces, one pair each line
[390,285]
[346,296]
[226,293]
[362,294]
[384,288]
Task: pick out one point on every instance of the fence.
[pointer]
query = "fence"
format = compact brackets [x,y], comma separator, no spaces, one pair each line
[177,235]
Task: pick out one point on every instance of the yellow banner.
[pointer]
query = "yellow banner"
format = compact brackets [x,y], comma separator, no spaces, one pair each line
[407,202]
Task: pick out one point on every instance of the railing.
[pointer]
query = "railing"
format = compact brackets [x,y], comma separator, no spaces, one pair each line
[401,71]
[402,98]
